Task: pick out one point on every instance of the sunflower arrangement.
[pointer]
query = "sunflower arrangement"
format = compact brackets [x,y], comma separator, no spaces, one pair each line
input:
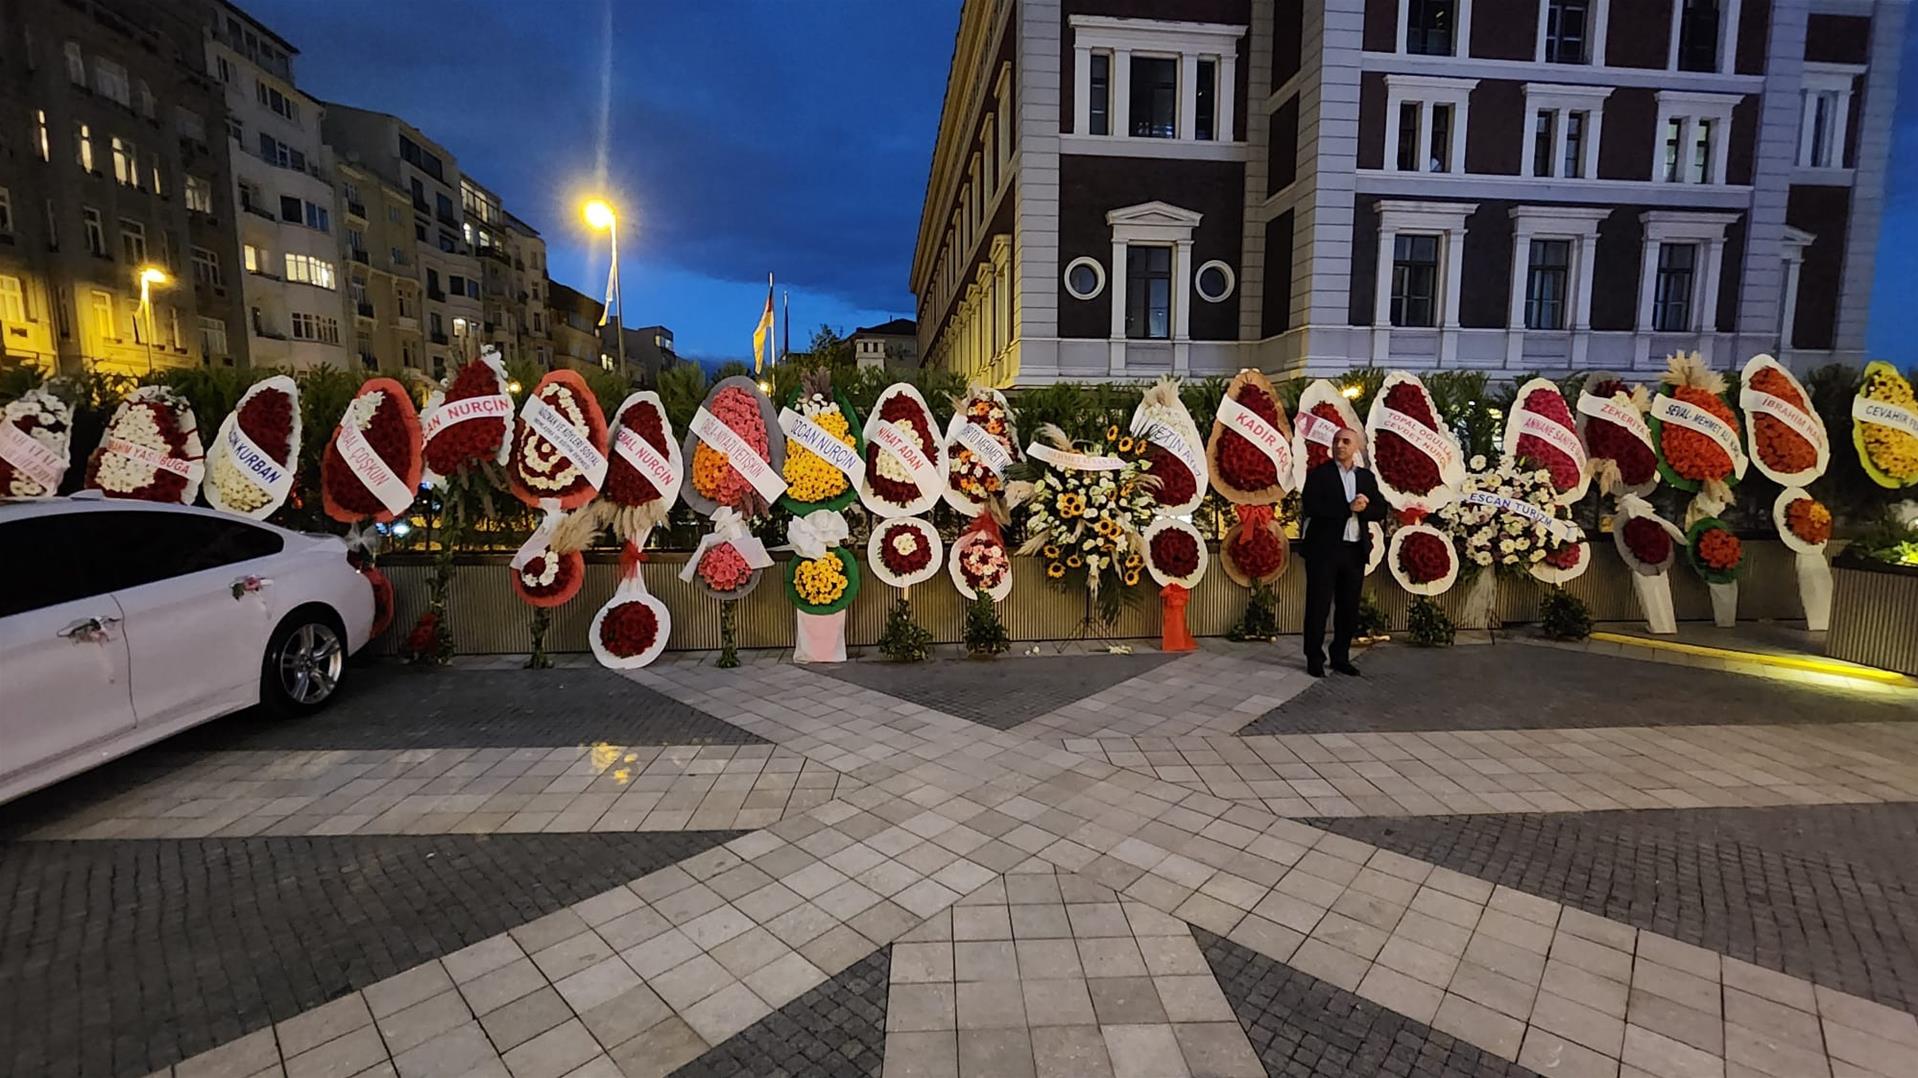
[1086,510]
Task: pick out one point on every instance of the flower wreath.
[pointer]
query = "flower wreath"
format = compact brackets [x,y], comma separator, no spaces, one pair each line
[150,449]
[1169,442]
[982,442]
[643,468]
[1697,435]
[905,459]
[1323,411]
[1787,437]
[823,576]
[1254,551]
[1804,523]
[36,436]
[467,423]
[1175,553]
[821,416]
[1422,559]
[1415,458]
[1084,510]
[1884,426]
[1619,449]
[1646,542]
[729,560]
[631,630]
[1541,429]
[1250,450]
[979,561]
[1509,517]
[559,446]
[371,466]
[549,569]
[737,420]
[255,456]
[904,551]
[1714,551]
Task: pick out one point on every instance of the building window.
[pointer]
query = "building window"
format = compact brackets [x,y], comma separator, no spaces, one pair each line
[1154,107]
[253,257]
[1085,278]
[277,102]
[1546,282]
[305,269]
[1672,290]
[1206,102]
[1568,27]
[96,231]
[1698,36]
[144,95]
[278,153]
[1688,150]
[1100,102]
[1824,114]
[1148,292]
[133,242]
[206,267]
[212,337]
[6,212]
[41,141]
[126,163]
[76,64]
[199,194]
[110,81]
[1692,129]
[83,147]
[100,304]
[189,124]
[13,300]
[1214,281]
[1424,119]
[1429,26]
[309,327]
[1414,280]
[1414,129]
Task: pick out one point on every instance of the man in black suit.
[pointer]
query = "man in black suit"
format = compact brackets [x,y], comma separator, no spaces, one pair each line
[1340,499]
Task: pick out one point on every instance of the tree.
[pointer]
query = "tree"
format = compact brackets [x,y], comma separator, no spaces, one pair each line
[829,349]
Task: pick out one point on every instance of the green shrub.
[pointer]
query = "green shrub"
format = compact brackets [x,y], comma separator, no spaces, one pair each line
[1372,619]
[985,633]
[1563,616]
[1427,626]
[905,640]
[1261,619]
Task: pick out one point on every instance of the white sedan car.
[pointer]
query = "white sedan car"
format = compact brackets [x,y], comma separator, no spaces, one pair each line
[123,622]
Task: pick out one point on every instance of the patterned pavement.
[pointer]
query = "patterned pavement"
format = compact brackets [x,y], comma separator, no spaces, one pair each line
[1090,872]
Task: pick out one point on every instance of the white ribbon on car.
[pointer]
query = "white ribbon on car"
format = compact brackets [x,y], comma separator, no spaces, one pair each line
[1672,410]
[729,528]
[270,475]
[1562,530]
[807,432]
[365,464]
[31,458]
[1885,414]
[1251,426]
[743,458]
[812,535]
[547,422]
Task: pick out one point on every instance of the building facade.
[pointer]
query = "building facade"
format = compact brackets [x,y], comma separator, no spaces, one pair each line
[114,163]
[649,350]
[289,273]
[1125,188]
[572,318]
[888,344]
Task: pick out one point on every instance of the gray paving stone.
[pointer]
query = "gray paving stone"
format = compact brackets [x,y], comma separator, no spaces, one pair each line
[835,1029]
[1018,690]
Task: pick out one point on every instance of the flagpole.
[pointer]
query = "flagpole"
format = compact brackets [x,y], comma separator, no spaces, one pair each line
[773,337]
[786,348]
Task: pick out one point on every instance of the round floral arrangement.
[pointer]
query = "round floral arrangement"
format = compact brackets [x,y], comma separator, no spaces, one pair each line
[1422,559]
[36,435]
[811,482]
[1414,457]
[724,570]
[549,578]
[1242,472]
[1175,553]
[150,449]
[1715,552]
[628,629]
[643,470]
[713,481]
[979,563]
[561,408]
[823,585]
[1563,562]
[1787,438]
[1507,517]
[1324,410]
[1646,542]
[1254,551]
[1085,512]
[250,466]
[899,431]
[1884,426]
[904,551]
[1167,443]
[1804,523]
[466,423]
[380,433]
[1689,458]
[1541,430]
[981,443]
[1618,442]
[631,630]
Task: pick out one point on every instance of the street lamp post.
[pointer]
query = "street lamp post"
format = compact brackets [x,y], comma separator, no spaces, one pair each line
[599,214]
[148,277]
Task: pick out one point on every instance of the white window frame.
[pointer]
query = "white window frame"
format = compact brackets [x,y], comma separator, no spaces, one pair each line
[1560,100]
[1579,225]
[1445,220]
[13,299]
[1689,107]
[1461,33]
[1685,226]
[1427,90]
[1792,251]
[1595,37]
[95,230]
[1231,281]
[1820,79]
[1098,272]
[110,81]
[1153,224]
[199,194]
[213,340]
[1726,53]
[133,235]
[1184,42]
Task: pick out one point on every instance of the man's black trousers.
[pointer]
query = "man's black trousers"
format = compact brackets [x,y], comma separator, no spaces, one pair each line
[1334,578]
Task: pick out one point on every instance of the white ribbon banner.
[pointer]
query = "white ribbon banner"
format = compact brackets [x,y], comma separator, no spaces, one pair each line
[190,470]
[1801,423]
[984,446]
[1619,415]
[30,458]
[1673,410]
[538,542]
[1073,462]
[646,460]
[708,428]
[894,440]
[365,463]
[1562,438]
[269,474]
[1251,426]
[1433,444]
[1562,530]
[1885,414]
[459,411]
[804,430]
[1173,442]
[1317,429]
[548,423]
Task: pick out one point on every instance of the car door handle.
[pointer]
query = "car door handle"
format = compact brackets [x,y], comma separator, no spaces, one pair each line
[87,627]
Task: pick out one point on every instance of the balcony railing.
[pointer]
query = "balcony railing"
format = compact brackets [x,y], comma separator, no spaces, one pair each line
[438,337]
[258,212]
[361,257]
[365,310]
[356,209]
[436,294]
[494,251]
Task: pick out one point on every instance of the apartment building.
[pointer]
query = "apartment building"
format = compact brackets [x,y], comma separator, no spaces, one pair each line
[289,226]
[888,344]
[114,163]
[436,254]
[1125,188]
[572,319]
[512,274]
[648,351]
[528,283]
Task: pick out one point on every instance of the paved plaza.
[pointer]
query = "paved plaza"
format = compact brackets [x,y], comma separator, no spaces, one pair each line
[1503,859]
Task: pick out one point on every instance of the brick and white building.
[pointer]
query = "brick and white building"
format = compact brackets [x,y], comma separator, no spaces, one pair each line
[1123,188]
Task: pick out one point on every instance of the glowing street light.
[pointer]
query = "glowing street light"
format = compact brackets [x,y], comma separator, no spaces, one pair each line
[149,276]
[600,216]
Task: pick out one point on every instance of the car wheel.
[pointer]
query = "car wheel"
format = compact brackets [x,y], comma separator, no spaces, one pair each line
[305,661]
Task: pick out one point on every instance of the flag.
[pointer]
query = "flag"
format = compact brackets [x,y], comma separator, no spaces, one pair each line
[764,329]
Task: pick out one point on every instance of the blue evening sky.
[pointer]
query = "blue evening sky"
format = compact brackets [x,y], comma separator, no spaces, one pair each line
[744,136]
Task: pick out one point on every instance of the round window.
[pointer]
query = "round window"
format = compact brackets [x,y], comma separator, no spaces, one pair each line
[1085,278]
[1214,281]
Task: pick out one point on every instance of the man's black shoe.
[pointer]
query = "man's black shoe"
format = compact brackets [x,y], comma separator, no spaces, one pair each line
[1315,669]
[1346,668]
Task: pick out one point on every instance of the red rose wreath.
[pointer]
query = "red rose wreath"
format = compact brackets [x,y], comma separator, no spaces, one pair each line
[371,467]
